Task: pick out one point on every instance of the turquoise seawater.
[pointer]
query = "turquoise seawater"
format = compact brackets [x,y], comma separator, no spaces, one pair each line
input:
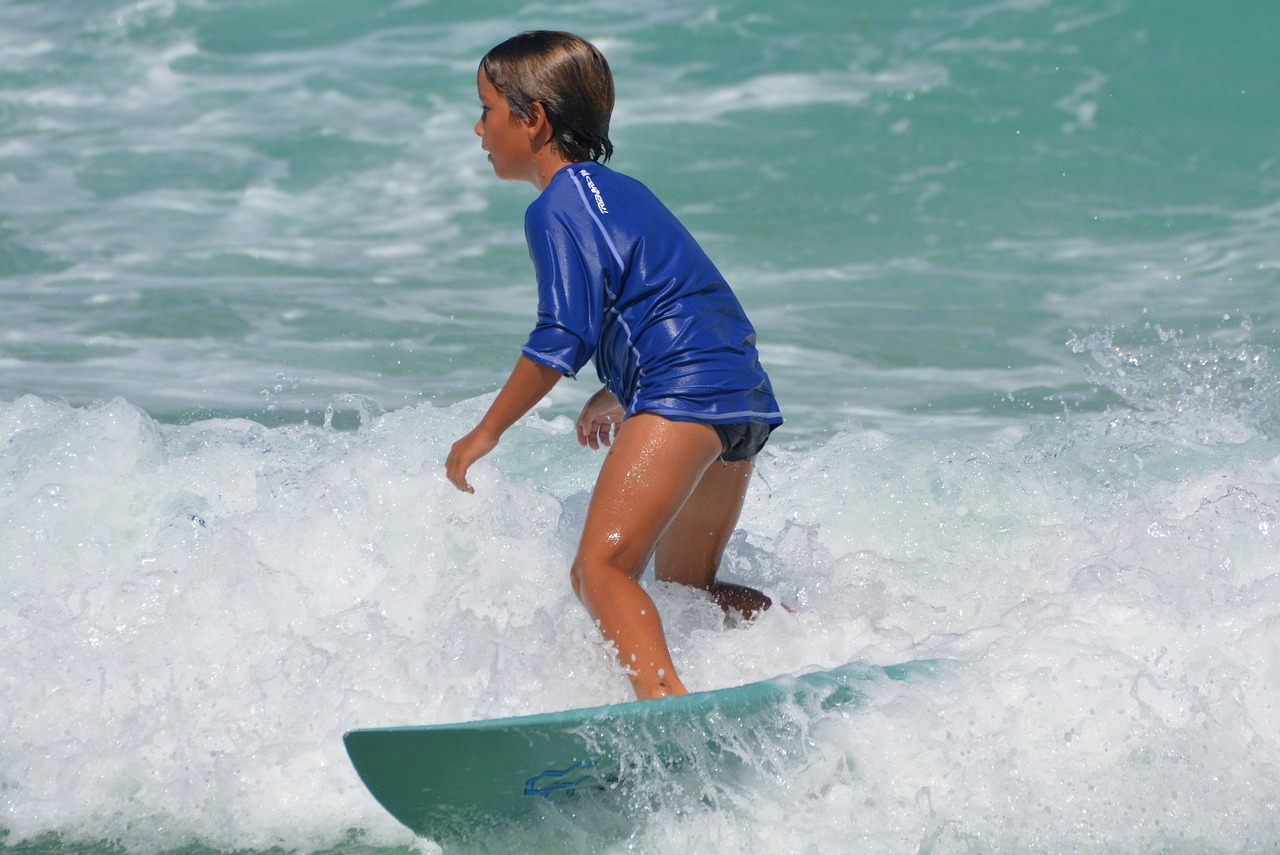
[1014,267]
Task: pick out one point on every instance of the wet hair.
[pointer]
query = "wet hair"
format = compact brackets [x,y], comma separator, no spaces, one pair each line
[570,78]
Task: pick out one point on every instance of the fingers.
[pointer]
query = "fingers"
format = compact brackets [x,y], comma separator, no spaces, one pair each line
[463,453]
[456,471]
[600,420]
[596,431]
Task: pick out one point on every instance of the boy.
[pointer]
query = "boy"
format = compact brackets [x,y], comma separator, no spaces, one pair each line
[685,405]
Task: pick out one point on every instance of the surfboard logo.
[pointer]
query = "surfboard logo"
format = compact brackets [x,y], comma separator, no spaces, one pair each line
[560,783]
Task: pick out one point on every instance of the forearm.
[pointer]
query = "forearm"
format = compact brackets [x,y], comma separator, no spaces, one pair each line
[528,384]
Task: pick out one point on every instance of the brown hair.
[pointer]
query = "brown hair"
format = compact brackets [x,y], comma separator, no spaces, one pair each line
[570,78]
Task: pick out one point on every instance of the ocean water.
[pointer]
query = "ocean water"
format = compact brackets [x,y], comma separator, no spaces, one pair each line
[1014,268]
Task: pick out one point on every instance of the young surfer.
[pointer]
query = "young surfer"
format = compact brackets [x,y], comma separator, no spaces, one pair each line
[685,405]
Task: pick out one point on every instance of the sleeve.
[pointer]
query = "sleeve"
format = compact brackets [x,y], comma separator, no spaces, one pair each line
[570,296]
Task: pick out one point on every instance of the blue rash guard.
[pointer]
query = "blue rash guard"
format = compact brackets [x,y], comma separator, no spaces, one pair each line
[622,281]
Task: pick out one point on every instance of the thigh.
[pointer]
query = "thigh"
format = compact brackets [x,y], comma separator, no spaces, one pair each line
[647,476]
[690,550]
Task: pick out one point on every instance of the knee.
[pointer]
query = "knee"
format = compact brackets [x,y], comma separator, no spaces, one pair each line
[585,575]
[592,572]
[741,598]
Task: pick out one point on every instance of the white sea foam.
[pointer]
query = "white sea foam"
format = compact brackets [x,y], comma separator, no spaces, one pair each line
[844,88]
[203,610]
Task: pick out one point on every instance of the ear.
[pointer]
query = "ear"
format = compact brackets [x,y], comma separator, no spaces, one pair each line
[539,126]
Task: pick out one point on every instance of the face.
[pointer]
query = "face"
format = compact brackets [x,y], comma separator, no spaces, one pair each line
[504,135]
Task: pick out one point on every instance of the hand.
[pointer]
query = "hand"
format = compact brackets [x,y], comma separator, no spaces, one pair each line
[528,384]
[600,419]
[466,451]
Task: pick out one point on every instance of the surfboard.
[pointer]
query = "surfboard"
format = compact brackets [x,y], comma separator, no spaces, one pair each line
[472,780]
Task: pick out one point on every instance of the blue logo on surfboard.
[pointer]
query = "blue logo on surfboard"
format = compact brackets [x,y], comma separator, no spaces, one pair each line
[558,784]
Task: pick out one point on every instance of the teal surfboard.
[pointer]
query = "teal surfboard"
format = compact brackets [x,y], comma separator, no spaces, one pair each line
[516,776]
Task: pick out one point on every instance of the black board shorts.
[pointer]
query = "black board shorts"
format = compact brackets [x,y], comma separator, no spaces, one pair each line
[742,441]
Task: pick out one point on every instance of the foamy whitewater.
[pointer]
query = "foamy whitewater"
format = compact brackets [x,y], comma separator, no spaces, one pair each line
[1013,267]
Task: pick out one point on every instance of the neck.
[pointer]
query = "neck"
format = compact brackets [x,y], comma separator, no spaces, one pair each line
[546,167]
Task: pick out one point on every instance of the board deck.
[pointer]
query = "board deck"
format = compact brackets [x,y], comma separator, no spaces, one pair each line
[450,782]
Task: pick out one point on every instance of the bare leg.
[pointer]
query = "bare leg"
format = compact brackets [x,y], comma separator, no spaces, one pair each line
[649,473]
[690,550]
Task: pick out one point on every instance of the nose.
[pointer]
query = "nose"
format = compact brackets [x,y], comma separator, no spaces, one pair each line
[479,128]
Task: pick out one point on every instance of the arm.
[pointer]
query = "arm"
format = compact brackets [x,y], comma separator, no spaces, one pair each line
[599,420]
[528,384]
